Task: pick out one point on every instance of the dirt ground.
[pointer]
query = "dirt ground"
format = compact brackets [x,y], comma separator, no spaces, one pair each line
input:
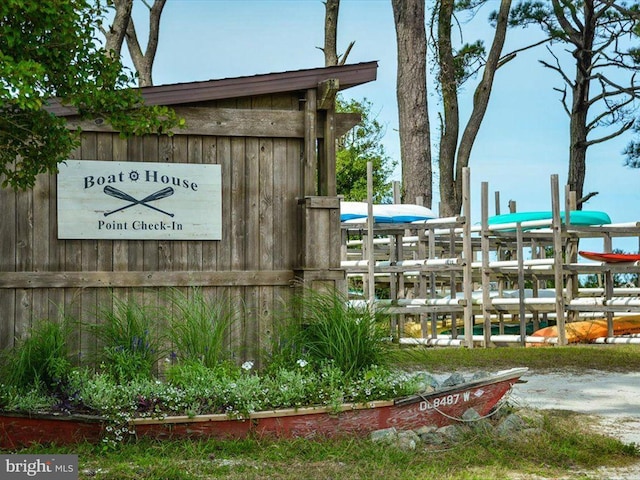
[613,399]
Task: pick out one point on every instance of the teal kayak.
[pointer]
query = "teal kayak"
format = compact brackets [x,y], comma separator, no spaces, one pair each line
[577,217]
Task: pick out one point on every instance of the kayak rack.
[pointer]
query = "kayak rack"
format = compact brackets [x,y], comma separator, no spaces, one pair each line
[444,280]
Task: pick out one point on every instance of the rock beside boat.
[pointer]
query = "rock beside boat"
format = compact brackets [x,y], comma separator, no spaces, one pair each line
[505,425]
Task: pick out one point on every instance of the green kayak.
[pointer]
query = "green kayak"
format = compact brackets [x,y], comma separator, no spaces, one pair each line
[577,217]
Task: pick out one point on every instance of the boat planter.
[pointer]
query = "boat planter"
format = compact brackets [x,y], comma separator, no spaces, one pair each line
[17,430]
[439,408]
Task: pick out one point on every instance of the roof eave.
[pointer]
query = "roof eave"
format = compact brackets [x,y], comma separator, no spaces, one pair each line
[299,80]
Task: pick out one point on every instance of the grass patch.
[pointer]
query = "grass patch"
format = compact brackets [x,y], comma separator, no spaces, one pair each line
[612,358]
[130,344]
[565,444]
[200,328]
[324,327]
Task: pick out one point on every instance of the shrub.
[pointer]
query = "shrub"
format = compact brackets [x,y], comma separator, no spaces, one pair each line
[40,359]
[130,348]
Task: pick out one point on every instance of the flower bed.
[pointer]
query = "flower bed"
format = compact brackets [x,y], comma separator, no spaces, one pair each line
[437,408]
[328,355]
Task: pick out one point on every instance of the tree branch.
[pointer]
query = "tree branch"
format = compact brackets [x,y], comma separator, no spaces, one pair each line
[615,134]
[343,58]
[586,198]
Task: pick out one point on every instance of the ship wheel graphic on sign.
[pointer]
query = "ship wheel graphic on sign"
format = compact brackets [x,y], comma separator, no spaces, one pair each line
[116,193]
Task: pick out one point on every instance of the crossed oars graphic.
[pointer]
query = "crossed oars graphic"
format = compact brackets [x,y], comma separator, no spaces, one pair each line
[114,192]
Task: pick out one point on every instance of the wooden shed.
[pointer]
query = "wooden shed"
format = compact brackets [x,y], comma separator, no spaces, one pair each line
[275,210]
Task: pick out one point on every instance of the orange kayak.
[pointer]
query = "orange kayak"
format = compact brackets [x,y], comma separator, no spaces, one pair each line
[589,330]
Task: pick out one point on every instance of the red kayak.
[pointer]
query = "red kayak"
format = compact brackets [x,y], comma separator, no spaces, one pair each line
[611,257]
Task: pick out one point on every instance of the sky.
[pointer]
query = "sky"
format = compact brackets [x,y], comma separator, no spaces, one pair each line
[524,137]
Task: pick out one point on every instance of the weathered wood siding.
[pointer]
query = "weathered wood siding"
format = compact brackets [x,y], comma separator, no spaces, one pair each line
[254,264]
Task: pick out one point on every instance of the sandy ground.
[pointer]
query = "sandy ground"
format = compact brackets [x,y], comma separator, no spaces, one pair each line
[612,398]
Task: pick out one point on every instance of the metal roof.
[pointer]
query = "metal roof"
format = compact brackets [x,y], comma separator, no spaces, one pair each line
[291,81]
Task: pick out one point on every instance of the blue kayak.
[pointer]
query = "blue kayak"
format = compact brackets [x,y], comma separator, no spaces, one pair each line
[356,212]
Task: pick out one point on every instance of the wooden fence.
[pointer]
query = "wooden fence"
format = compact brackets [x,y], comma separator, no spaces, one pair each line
[275,152]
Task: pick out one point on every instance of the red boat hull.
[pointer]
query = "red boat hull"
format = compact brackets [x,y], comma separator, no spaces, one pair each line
[20,431]
[441,408]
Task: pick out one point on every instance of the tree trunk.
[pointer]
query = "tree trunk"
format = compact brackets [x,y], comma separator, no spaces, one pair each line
[450,119]
[124,27]
[115,35]
[330,49]
[143,62]
[580,101]
[480,104]
[415,142]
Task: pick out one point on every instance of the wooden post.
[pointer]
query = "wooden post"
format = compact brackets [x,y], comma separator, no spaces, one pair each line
[372,257]
[319,256]
[452,281]
[608,285]
[432,283]
[326,101]
[310,170]
[467,255]
[521,296]
[328,165]
[396,191]
[485,273]
[571,254]
[556,226]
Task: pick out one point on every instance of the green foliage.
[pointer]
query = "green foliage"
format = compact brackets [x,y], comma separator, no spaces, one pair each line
[40,360]
[130,346]
[28,400]
[360,145]
[96,391]
[325,326]
[192,389]
[468,58]
[200,328]
[48,50]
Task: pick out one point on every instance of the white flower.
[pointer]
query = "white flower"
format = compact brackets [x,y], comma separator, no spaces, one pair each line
[247,366]
[302,363]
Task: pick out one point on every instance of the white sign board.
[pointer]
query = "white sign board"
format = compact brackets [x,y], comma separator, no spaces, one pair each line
[139,201]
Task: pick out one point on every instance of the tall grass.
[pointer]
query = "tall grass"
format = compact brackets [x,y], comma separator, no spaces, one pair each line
[130,343]
[326,327]
[40,359]
[200,328]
